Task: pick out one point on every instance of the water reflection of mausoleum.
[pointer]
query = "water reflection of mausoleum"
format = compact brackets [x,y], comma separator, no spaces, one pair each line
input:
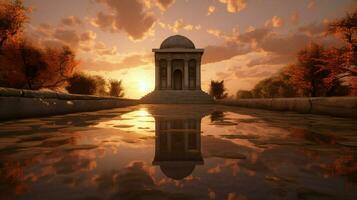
[177,146]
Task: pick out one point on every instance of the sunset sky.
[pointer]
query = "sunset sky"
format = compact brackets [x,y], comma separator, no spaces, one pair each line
[244,40]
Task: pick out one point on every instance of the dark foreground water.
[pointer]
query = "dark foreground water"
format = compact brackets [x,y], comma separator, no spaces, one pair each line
[179,152]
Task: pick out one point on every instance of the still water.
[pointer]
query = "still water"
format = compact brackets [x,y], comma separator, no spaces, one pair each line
[179,152]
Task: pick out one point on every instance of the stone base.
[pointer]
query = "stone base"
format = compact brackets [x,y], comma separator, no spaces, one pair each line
[177,97]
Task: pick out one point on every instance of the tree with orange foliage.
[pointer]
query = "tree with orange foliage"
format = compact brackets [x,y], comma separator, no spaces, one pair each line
[346,29]
[61,63]
[343,61]
[308,73]
[24,65]
[12,18]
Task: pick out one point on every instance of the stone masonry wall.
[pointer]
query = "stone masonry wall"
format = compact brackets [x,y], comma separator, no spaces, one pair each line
[334,106]
[15,103]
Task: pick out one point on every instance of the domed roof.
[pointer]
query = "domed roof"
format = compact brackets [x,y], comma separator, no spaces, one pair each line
[177,172]
[177,41]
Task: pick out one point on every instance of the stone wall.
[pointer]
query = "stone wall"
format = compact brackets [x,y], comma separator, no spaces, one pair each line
[15,103]
[334,106]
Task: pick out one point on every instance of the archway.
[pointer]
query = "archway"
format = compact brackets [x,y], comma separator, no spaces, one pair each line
[177,80]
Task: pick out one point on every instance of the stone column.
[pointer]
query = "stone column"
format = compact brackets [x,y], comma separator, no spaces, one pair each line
[169,74]
[198,74]
[185,75]
[157,75]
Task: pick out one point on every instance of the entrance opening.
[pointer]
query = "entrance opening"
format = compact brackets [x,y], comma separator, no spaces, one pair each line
[177,80]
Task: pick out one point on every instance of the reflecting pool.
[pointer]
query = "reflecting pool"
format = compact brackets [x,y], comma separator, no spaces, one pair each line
[179,152]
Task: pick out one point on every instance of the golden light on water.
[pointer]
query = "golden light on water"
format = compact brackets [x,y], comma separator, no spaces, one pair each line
[136,122]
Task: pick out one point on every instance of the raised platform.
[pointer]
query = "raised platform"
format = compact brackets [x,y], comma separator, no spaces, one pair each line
[18,103]
[177,97]
[334,106]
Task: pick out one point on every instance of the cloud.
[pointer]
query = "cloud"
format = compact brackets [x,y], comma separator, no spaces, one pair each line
[275,22]
[255,72]
[104,21]
[179,25]
[234,6]
[226,36]
[56,37]
[103,50]
[271,59]
[43,30]
[71,21]
[135,181]
[254,35]
[235,44]
[164,4]
[131,17]
[295,18]
[311,4]
[88,36]
[215,32]
[314,29]
[210,9]
[285,44]
[128,61]
[223,52]
[69,37]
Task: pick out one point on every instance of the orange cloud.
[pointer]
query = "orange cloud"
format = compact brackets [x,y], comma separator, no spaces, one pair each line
[275,22]
[219,53]
[311,4]
[180,24]
[88,36]
[70,37]
[164,4]
[71,21]
[210,9]
[128,16]
[295,18]
[129,61]
[234,6]
[314,29]
[104,21]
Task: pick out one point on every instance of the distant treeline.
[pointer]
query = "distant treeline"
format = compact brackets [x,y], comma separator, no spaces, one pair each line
[319,71]
[25,65]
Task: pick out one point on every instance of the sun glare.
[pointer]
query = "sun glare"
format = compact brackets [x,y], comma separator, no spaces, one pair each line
[143,87]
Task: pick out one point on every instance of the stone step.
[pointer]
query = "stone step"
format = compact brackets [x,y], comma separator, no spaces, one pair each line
[178,97]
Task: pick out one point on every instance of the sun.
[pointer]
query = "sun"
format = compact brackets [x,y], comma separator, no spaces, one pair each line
[143,87]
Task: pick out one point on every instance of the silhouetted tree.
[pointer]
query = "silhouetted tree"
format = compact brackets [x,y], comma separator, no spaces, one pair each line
[81,83]
[12,19]
[244,94]
[116,88]
[217,90]
[101,86]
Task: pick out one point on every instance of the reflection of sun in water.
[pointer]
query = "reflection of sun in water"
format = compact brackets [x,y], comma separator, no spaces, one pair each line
[137,122]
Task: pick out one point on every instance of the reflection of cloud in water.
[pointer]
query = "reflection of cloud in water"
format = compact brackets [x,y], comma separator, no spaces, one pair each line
[252,154]
[135,181]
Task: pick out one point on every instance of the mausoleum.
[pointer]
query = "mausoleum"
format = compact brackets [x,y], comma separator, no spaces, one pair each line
[177,73]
